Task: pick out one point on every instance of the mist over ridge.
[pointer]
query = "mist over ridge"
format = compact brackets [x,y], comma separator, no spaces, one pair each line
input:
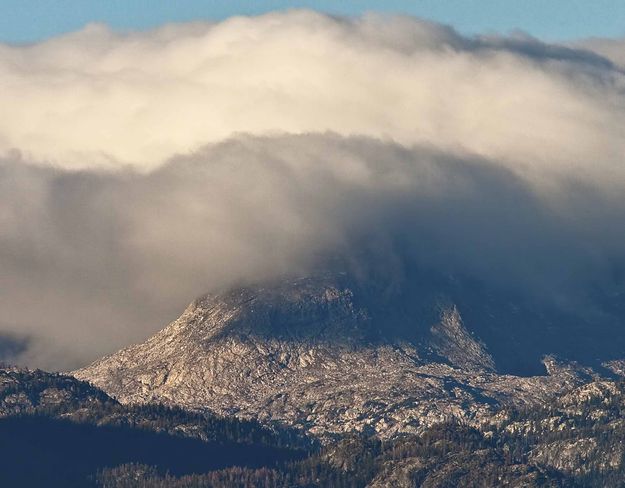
[141,170]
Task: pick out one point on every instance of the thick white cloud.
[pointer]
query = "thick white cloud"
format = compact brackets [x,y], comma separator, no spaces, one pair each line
[98,98]
[142,170]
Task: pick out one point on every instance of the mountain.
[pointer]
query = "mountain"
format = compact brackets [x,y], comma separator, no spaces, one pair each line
[575,442]
[333,354]
[64,432]
[328,380]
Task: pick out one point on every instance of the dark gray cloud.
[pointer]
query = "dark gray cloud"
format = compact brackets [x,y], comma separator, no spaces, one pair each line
[93,260]
[611,49]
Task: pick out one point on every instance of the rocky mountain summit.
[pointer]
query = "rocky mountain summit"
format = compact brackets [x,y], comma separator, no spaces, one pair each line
[329,355]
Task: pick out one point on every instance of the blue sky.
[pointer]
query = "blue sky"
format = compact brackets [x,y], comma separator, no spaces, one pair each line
[32,20]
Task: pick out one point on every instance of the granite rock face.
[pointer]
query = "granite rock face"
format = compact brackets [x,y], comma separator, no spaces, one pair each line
[326,355]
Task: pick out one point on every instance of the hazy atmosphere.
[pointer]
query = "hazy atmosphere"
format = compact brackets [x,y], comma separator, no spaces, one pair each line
[140,170]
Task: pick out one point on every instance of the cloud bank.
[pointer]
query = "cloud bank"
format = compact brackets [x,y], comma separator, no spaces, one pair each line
[141,170]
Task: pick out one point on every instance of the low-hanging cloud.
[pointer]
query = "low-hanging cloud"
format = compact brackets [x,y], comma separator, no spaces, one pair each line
[141,170]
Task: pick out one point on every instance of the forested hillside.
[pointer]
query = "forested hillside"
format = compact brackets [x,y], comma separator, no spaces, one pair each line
[58,431]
